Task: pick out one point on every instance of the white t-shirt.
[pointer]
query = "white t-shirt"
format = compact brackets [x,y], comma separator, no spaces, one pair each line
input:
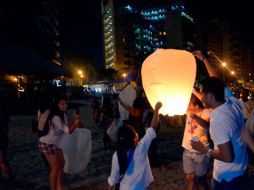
[226,123]
[139,174]
[192,128]
[56,131]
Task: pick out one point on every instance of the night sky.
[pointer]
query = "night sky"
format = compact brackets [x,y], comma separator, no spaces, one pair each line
[81,28]
[81,22]
[237,13]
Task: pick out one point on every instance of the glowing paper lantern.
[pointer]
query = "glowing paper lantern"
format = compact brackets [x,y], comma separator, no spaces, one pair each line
[168,76]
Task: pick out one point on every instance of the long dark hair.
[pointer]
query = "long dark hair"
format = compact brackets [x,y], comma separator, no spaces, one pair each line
[55,109]
[126,141]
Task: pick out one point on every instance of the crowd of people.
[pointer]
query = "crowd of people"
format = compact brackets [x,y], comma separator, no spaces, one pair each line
[219,127]
[214,130]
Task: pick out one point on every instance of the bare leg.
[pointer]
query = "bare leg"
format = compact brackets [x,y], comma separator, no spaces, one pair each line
[54,170]
[190,178]
[60,173]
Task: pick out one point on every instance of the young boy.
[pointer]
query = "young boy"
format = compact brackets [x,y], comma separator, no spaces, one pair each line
[195,164]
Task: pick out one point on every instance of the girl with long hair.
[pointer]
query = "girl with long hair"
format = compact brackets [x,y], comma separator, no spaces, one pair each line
[130,164]
[50,145]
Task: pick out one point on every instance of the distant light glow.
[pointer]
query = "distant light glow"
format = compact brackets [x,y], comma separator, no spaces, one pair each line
[156,15]
[187,16]
[58,83]
[129,8]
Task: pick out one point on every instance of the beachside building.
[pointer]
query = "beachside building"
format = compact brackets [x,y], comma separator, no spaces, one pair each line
[132,31]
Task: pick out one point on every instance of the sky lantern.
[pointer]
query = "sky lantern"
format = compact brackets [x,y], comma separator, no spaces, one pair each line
[168,76]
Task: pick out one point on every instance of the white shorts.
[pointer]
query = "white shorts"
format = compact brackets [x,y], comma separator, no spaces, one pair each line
[194,162]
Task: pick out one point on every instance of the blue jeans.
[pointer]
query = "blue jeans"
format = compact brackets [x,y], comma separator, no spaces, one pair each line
[234,184]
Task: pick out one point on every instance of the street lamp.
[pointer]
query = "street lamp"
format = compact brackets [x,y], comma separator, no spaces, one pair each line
[224,64]
[80,72]
[81,76]
[15,79]
[124,76]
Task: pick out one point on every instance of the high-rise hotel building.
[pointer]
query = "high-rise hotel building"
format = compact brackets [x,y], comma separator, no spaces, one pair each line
[108,34]
[133,31]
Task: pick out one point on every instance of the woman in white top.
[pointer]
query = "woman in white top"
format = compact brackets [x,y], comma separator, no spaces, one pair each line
[50,145]
[130,164]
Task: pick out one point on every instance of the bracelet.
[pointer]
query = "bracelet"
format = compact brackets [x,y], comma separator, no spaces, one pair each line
[209,153]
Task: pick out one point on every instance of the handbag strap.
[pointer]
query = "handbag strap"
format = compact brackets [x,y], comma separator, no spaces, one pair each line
[130,156]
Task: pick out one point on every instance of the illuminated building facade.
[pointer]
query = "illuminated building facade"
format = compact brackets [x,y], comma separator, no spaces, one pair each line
[109,37]
[151,33]
[119,23]
[180,29]
[133,31]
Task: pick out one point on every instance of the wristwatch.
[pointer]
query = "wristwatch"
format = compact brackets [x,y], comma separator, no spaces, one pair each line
[209,153]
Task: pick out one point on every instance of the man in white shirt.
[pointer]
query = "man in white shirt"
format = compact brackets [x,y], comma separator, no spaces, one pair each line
[226,122]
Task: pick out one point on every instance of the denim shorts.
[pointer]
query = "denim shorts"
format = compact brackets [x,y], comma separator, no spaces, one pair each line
[194,162]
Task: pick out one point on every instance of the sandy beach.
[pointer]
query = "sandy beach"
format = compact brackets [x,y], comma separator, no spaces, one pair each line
[31,173]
